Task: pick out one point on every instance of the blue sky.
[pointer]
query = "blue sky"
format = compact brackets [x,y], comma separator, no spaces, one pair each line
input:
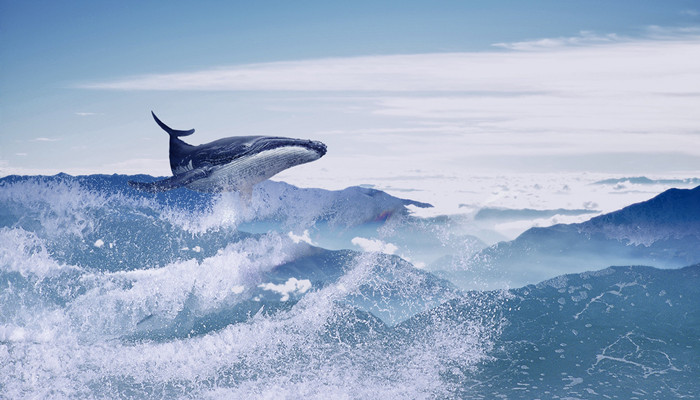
[427,86]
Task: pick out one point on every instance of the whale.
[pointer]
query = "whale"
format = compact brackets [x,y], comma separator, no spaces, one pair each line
[230,164]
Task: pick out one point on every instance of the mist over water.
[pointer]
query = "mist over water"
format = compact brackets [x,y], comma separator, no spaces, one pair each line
[106,292]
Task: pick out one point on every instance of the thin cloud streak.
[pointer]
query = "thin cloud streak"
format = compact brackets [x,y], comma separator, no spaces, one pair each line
[585,38]
[542,114]
[554,65]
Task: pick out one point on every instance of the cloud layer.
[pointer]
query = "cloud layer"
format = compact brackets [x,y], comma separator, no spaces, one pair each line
[585,65]
[589,84]
[587,103]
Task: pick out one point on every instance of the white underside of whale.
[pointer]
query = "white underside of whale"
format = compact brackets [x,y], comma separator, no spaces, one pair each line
[243,173]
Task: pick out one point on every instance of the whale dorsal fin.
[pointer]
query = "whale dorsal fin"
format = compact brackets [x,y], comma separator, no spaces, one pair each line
[169,130]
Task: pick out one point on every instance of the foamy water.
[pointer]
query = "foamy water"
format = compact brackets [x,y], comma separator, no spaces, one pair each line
[106,292]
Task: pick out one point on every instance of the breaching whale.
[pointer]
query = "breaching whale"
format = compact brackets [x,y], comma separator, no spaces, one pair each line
[230,164]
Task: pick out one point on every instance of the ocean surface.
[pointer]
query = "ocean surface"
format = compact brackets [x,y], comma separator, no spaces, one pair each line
[107,292]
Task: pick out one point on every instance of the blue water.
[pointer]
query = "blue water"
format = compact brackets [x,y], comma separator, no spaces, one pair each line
[107,292]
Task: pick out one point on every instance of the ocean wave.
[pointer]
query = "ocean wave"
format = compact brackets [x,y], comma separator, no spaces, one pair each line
[108,292]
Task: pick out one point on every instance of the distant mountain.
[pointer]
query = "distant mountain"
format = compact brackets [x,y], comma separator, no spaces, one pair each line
[663,232]
[619,332]
[674,213]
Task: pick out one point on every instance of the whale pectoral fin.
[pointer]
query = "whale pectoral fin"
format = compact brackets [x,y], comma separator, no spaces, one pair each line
[173,182]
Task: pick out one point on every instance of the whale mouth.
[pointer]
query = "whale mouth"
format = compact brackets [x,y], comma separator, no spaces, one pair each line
[319,147]
[269,143]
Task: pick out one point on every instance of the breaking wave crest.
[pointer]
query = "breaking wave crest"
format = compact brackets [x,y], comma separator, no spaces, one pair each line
[106,292]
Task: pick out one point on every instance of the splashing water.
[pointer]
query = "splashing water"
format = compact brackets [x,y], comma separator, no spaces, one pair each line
[106,292]
[110,293]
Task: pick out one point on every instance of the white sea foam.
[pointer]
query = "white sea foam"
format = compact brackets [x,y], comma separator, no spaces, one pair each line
[239,360]
[24,252]
[78,320]
[118,301]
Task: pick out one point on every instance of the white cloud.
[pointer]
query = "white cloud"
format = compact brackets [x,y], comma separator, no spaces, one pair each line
[551,123]
[586,64]
[45,139]
[86,114]
[673,33]
[593,102]
[584,38]
[304,237]
[285,289]
[588,84]
[374,245]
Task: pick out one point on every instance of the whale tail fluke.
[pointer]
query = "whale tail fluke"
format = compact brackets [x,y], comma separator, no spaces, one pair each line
[169,130]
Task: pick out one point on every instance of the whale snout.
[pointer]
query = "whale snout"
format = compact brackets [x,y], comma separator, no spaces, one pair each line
[319,147]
